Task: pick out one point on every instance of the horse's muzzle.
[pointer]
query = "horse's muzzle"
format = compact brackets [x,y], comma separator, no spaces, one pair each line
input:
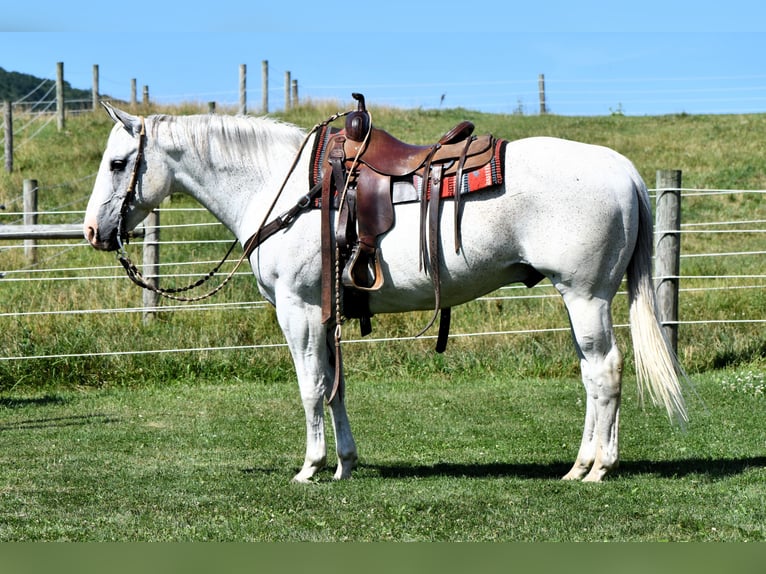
[93,236]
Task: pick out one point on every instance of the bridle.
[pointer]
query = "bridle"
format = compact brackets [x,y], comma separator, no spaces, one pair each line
[265,230]
[122,236]
[130,193]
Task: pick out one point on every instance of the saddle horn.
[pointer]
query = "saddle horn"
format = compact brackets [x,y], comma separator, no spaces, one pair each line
[358,122]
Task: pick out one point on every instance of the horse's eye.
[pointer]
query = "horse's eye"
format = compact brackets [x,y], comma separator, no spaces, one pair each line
[117,165]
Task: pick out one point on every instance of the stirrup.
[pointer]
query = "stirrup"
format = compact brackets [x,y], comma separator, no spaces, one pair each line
[349,279]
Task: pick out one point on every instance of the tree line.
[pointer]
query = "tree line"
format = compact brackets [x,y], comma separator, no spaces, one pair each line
[15,86]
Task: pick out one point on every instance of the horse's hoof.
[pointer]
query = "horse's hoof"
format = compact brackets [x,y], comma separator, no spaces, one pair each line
[592,478]
[345,466]
[576,473]
[596,474]
[341,474]
[298,479]
[307,474]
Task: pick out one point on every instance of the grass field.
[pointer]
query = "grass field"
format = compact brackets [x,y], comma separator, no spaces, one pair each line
[442,458]
[463,446]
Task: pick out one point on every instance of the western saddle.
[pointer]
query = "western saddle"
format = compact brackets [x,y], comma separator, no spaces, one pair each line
[361,166]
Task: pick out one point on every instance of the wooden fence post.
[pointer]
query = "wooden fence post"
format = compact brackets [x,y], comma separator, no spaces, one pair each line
[145,96]
[243,89]
[30,217]
[294,96]
[668,251]
[60,95]
[8,128]
[151,264]
[133,95]
[541,94]
[265,87]
[95,87]
[287,90]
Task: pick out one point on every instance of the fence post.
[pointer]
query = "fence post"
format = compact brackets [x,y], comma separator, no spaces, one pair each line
[541,94]
[95,87]
[265,87]
[287,90]
[151,264]
[294,97]
[243,89]
[60,95]
[30,217]
[145,97]
[133,97]
[8,127]
[668,251]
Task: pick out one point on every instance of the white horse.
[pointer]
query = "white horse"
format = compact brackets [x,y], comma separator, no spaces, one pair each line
[578,214]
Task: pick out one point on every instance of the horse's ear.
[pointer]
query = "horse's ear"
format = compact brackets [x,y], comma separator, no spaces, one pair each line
[129,122]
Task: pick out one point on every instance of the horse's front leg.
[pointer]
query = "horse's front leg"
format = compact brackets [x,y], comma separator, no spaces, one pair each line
[344,440]
[307,339]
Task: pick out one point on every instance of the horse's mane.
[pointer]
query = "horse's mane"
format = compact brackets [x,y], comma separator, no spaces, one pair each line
[225,142]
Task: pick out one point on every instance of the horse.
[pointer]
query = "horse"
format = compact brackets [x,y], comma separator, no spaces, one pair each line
[574,213]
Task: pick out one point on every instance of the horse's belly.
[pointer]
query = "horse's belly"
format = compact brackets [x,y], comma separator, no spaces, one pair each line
[412,294]
[487,260]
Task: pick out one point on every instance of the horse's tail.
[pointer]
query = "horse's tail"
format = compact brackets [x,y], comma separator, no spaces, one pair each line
[657,367]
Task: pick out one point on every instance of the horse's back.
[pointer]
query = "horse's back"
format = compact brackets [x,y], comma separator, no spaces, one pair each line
[548,170]
[577,207]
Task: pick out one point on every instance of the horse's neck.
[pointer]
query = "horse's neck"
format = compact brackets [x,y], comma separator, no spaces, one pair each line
[233,166]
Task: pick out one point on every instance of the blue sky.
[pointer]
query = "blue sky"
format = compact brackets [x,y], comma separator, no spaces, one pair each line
[640,58]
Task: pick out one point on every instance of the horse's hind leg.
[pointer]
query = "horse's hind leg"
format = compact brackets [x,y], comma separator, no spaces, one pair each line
[601,366]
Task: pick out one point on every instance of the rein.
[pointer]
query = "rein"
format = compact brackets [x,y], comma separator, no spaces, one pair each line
[265,230]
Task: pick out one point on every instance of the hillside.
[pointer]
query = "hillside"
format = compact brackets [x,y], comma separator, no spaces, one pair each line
[14,86]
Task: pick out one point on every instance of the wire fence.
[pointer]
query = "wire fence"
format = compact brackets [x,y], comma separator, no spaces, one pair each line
[48,274]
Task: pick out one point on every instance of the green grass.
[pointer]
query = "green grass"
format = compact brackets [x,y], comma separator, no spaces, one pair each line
[463,446]
[474,457]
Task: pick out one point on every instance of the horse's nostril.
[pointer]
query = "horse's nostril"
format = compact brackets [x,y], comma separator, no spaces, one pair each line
[90,235]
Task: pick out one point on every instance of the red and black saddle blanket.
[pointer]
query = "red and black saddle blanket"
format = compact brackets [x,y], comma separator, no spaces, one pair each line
[409,188]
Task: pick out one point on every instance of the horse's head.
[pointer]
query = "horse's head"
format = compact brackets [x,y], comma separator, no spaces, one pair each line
[129,183]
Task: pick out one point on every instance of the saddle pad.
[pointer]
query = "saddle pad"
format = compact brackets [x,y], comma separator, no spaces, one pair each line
[319,153]
[489,175]
[486,176]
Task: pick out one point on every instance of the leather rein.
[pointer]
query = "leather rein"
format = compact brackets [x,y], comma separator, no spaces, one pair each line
[265,230]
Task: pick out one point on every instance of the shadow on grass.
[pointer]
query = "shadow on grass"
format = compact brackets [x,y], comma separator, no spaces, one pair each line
[713,468]
[48,422]
[58,422]
[16,402]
